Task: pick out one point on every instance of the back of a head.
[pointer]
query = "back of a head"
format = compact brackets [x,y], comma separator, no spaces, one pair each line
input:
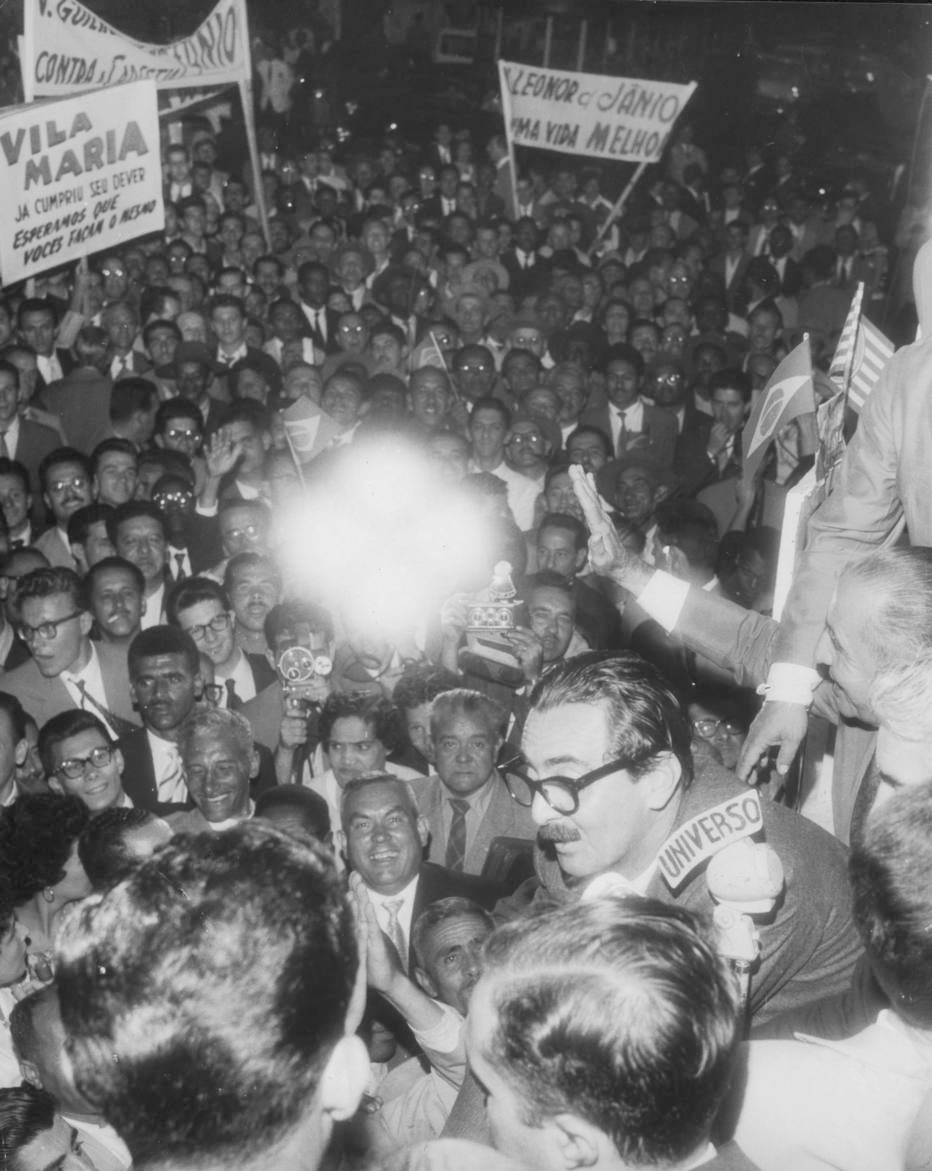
[608,1010]
[899,583]
[103,849]
[891,875]
[229,965]
[25,1113]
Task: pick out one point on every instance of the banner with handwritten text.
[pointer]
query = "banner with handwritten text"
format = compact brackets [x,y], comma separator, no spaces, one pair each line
[68,49]
[78,175]
[590,114]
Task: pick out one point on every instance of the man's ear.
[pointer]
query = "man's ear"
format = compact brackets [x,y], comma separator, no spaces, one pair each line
[660,494]
[344,1079]
[340,839]
[55,786]
[254,763]
[30,1074]
[582,556]
[423,831]
[86,622]
[20,752]
[663,781]
[426,982]
[145,602]
[198,686]
[580,1143]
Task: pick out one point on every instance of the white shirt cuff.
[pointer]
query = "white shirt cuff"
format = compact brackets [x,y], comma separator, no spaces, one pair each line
[790,683]
[663,599]
[446,1035]
[202,510]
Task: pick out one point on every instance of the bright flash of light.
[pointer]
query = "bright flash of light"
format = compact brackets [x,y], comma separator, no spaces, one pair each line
[383,540]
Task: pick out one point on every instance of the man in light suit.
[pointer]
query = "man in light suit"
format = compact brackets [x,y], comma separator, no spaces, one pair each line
[467,805]
[67,670]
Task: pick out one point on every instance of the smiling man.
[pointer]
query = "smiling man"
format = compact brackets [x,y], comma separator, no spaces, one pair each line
[383,840]
[219,760]
[80,760]
[612,785]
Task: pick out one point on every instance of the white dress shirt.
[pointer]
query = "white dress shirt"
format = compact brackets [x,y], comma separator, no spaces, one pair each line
[168,769]
[405,911]
[93,680]
[632,418]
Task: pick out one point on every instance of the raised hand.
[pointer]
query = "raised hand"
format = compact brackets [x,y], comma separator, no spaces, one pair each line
[221,453]
[607,554]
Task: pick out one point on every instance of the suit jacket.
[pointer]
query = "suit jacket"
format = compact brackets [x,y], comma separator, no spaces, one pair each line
[658,437]
[67,363]
[332,319]
[33,444]
[43,698]
[56,552]
[503,818]
[692,465]
[139,775]
[81,400]
[524,281]
[16,655]
[734,289]
[202,541]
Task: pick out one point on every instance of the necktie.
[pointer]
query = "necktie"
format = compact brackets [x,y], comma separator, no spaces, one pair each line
[118,725]
[233,700]
[4,450]
[180,574]
[320,323]
[172,787]
[394,931]
[456,844]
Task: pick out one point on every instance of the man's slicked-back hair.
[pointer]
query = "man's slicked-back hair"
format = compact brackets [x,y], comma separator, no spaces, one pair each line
[619,1011]
[643,715]
[25,1112]
[217,721]
[462,701]
[900,582]
[46,583]
[204,993]
[890,867]
[440,911]
[358,784]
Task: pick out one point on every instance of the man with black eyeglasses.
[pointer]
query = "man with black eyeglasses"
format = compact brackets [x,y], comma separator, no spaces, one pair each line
[622,806]
[81,760]
[66,670]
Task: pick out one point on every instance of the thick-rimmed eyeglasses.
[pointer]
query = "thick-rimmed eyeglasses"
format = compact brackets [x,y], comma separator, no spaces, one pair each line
[560,793]
[76,766]
[217,624]
[45,630]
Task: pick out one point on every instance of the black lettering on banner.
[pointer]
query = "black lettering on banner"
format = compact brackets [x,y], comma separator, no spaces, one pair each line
[706,834]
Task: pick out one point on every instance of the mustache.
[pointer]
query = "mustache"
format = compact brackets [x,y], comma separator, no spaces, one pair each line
[558,831]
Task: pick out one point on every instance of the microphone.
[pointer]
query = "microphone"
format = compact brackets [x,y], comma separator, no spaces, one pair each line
[745,879]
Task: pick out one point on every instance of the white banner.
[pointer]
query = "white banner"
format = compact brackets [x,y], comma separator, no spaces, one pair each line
[68,49]
[78,175]
[590,114]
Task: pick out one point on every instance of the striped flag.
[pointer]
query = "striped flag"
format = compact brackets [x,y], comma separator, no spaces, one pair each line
[862,353]
[308,429]
[788,393]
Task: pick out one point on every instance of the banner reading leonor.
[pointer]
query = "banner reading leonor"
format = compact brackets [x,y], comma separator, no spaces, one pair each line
[67,48]
[590,114]
[78,175]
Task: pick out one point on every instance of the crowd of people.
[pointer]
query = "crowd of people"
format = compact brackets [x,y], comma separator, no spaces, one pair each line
[385,625]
